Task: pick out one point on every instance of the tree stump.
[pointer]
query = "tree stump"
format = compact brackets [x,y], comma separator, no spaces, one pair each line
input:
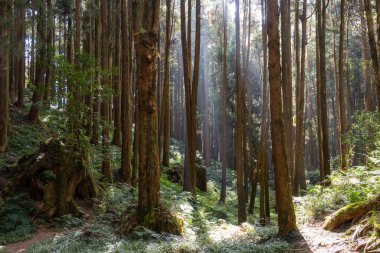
[55,175]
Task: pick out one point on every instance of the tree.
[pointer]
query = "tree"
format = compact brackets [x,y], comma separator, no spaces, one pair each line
[286,60]
[191,91]
[106,165]
[374,49]
[126,92]
[342,105]
[242,216]
[145,29]
[299,177]
[223,99]
[50,51]
[34,113]
[165,122]
[286,215]
[116,79]
[21,54]
[4,82]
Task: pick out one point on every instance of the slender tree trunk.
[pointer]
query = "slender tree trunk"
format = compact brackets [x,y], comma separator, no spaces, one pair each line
[116,80]
[223,101]
[286,215]
[106,164]
[191,90]
[166,94]
[286,50]
[242,216]
[126,93]
[146,17]
[374,49]
[34,113]
[96,104]
[50,53]
[206,116]
[4,81]
[366,66]
[342,105]
[323,80]
[21,56]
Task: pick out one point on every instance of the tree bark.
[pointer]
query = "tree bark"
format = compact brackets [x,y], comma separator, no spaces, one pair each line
[286,215]
[4,82]
[166,94]
[116,80]
[191,90]
[146,16]
[286,60]
[374,49]
[34,113]
[242,216]
[223,100]
[106,164]
[342,104]
[21,56]
[126,90]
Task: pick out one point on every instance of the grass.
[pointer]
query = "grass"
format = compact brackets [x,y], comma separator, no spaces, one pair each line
[209,226]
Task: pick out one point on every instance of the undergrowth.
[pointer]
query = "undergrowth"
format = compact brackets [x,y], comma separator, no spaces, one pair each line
[15,219]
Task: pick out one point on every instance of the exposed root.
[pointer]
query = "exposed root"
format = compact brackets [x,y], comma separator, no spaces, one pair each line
[160,220]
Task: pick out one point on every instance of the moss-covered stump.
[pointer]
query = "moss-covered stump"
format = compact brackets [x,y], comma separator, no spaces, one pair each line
[350,212]
[55,175]
[160,220]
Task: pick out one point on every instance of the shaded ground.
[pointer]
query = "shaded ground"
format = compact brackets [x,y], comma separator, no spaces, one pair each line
[41,235]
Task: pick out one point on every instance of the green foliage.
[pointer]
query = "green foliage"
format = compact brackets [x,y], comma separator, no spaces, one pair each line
[15,221]
[67,222]
[353,185]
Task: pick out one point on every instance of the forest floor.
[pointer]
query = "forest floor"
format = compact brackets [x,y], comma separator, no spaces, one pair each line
[208,226]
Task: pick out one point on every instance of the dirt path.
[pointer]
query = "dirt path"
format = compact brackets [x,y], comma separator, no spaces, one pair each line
[319,240]
[42,234]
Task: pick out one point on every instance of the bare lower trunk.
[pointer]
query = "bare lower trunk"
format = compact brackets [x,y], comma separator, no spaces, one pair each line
[286,215]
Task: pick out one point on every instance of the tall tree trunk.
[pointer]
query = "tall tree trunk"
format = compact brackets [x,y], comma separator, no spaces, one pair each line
[301,105]
[318,88]
[191,90]
[374,49]
[296,173]
[106,164]
[96,104]
[50,53]
[323,97]
[342,104]
[146,18]
[285,208]
[206,121]
[223,103]
[34,113]
[4,82]
[126,92]
[242,216]
[264,115]
[21,55]
[366,66]
[166,94]
[286,50]
[116,80]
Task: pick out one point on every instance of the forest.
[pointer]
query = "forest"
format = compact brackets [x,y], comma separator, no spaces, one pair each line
[189,126]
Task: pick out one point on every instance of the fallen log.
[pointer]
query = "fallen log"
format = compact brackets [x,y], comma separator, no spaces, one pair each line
[350,212]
